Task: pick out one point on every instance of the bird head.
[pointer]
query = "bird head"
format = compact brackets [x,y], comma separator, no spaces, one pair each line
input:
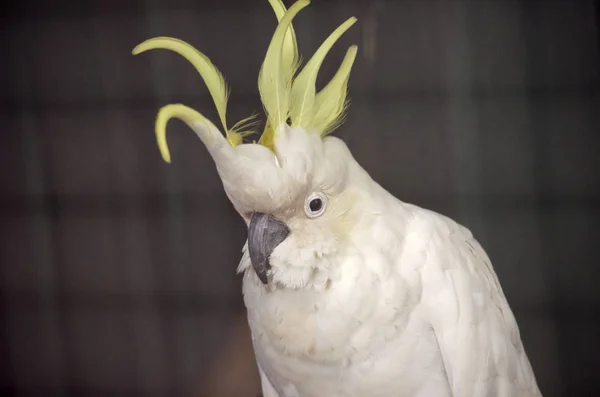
[292,186]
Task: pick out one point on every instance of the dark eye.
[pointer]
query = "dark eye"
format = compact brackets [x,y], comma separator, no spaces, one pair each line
[315,205]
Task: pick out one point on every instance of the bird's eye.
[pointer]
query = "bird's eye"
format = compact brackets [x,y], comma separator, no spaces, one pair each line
[315,205]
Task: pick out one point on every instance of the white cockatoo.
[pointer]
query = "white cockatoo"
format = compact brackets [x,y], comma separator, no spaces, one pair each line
[349,291]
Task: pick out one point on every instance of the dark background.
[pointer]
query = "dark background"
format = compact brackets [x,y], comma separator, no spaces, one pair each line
[118,270]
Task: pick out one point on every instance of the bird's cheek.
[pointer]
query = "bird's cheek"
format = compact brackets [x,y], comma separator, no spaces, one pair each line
[289,267]
[282,254]
[292,254]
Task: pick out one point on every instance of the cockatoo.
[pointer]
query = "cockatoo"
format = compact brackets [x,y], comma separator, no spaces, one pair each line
[349,291]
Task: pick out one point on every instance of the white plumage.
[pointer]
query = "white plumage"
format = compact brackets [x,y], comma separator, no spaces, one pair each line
[350,292]
[406,304]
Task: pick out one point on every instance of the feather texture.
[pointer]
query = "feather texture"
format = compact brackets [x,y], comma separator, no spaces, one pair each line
[289,54]
[283,96]
[275,77]
[412,306]
[166,113]
[214,80]
[331,101]
[303,93]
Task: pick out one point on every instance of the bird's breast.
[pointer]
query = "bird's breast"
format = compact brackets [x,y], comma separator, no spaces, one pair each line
[357,361]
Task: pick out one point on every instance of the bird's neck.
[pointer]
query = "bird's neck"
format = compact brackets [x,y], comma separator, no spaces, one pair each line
[315,324]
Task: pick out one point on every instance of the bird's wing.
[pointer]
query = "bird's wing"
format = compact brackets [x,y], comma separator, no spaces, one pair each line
[267,388]
[475,328]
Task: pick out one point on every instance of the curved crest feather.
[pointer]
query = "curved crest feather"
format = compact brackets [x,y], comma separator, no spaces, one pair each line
[285,96]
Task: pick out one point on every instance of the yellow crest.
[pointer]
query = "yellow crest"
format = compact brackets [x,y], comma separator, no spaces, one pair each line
[287,96]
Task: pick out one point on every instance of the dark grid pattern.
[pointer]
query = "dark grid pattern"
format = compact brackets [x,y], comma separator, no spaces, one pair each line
[118,271]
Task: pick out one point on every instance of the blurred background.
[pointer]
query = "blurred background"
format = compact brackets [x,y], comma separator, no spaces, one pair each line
[118,270]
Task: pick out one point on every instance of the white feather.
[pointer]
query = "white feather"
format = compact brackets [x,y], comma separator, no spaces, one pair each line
[411,307]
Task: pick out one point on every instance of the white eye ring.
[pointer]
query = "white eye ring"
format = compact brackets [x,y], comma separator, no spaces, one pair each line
[315,205]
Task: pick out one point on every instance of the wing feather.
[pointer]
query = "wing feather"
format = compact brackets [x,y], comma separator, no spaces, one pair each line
[471,318]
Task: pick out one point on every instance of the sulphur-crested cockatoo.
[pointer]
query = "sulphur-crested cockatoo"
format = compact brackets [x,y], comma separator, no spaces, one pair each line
[350,291]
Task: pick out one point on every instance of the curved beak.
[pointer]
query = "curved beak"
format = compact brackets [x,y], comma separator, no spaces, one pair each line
[265,233]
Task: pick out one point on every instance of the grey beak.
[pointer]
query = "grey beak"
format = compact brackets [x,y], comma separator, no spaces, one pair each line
[265,233]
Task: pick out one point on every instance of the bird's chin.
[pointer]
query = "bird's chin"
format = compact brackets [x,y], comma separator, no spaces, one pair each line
[283,275]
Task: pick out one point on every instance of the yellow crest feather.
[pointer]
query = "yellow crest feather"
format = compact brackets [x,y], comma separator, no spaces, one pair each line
[214,80]
[303,93]
[289,53]
[283,96]
[275,77]
[331,102]
[289,59]
[166,113]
